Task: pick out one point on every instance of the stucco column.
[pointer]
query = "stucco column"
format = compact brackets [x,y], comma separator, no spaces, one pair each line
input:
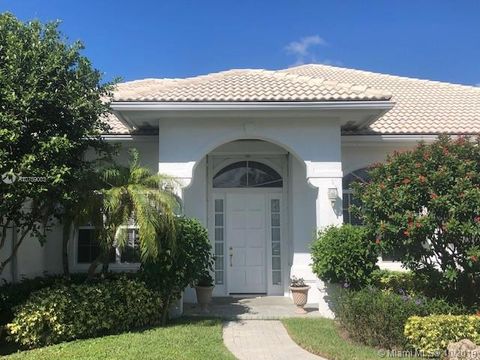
[182,172]
[324,177]
[321,176]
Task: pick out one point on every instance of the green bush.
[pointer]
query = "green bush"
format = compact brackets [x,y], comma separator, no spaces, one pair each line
[400,282]
[344,255]
[431,335]
[14,294]
[443,242]
[184,264]
[377,318]
[67,312]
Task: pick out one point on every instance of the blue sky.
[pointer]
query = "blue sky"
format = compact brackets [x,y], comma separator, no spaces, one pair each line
[438,39]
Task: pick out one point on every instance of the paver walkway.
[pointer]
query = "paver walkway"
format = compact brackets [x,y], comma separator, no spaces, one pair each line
[251,308]
[262,340]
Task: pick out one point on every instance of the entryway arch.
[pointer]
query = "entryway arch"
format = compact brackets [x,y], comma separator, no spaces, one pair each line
[248,217]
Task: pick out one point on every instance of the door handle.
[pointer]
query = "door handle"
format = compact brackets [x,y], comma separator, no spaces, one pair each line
[231,256]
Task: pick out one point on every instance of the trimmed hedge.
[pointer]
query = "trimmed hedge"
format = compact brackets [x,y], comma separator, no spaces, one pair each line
[14,294]
[400,282]
[431,335]
[344,255]
[377,318]
[67,312]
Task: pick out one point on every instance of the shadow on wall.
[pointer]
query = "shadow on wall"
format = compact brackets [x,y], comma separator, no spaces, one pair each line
[328,296]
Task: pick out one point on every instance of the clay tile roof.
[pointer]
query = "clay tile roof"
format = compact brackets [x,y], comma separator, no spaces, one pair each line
[421,106]
[245,86]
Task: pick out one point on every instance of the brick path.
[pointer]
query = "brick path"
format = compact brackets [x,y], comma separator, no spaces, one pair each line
[262,340]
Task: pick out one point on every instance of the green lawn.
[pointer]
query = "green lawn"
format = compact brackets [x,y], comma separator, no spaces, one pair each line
[184,339]
[320,336]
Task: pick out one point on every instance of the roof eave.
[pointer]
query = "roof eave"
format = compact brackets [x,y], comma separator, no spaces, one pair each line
[250,105]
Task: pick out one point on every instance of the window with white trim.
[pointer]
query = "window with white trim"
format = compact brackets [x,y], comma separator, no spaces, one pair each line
[247,174]
[219,241]
[360,175]
[88,247]
[275,229]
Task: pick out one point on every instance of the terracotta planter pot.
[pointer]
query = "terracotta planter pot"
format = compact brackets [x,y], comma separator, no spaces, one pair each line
[300,296]
[204,296]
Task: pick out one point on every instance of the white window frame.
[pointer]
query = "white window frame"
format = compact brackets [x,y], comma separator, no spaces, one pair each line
[116,266]
[383,264]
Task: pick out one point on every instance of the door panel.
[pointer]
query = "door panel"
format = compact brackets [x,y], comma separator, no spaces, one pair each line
[246,242]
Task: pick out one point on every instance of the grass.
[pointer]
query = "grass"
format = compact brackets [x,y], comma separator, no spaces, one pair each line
[183,339]
[321,336]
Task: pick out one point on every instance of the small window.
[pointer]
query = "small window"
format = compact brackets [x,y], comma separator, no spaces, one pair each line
[131,252]
[244,174]
[219,242]
[349,199]
[360,175]
[88,247]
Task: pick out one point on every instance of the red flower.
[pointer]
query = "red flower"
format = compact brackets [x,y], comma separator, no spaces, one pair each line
[381,186]
[426,156]
[418,165]
[406,181]
[419,225]
[378,241]
[445,151]
[478,313]
[474,258]
[477,219]
[406,233]
[433,196]
[422,178]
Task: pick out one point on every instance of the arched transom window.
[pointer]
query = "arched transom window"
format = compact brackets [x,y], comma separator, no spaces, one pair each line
[247,174]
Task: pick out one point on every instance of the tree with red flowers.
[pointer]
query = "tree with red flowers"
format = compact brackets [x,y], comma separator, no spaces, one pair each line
[426,203]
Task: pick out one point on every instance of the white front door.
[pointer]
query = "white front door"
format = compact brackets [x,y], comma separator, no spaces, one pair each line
[246,242]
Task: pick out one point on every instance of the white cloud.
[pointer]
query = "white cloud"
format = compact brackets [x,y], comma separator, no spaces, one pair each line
[303,50]
[302,47]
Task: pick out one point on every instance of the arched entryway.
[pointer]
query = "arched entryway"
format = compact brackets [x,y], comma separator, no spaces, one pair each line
[248,217]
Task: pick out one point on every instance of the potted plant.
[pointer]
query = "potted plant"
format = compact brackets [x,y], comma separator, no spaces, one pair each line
[204,289]
[299,293]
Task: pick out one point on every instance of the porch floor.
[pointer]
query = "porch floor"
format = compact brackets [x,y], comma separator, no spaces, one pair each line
[251,308]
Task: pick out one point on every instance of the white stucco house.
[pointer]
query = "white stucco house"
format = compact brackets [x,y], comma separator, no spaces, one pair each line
[265,159]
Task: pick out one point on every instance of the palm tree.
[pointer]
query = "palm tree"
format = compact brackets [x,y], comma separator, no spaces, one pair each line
[133,194]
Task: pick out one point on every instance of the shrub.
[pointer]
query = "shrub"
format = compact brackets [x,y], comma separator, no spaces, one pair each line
[344,255]
[67,312]
[432,334]
[377,318]
[400,282]
[426,202]
[185,263]
[14,294]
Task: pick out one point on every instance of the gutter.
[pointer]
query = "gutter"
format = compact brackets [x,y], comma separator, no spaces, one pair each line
[260,105]
[378,108]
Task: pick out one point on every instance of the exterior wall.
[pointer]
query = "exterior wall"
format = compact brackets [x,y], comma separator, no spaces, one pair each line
[317,160]
[357,155]
[34,259]
[315,166]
